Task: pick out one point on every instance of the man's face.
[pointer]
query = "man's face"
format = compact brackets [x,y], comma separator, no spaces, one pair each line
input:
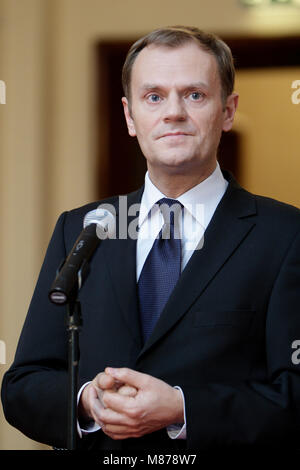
[177,112]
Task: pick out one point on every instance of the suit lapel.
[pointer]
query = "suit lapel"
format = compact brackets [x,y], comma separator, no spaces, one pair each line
[121,262]
[230,225]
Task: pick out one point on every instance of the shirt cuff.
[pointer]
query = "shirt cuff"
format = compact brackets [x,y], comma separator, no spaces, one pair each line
[89,426]
[178,430]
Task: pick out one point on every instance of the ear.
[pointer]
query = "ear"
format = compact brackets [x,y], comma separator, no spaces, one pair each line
[129,119]
[230,109]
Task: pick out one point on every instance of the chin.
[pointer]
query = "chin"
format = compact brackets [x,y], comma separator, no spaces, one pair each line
[177,164]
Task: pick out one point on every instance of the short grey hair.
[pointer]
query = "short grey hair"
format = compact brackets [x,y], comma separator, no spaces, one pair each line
[176,36]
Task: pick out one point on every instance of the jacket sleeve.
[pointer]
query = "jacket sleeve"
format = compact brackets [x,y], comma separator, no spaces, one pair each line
[258,412]
[34,389]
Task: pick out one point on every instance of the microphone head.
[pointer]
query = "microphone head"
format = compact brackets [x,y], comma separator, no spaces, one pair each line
[104,220]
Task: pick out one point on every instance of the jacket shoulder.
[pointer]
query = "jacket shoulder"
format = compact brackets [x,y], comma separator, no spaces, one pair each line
[277,210]
[266,209]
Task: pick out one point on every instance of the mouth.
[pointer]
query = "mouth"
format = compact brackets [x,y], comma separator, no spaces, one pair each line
[174,134]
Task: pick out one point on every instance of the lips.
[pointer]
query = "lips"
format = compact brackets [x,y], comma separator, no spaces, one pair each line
[174,134]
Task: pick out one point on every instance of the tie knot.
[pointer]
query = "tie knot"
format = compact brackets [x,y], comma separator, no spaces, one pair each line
[170,208]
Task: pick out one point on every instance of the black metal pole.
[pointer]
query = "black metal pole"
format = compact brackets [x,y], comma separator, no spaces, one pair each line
[73,326]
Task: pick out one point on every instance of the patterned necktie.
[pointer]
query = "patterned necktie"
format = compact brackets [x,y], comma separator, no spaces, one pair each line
[162,267]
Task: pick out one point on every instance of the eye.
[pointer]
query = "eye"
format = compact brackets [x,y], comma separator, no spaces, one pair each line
[196,95]
[153,98]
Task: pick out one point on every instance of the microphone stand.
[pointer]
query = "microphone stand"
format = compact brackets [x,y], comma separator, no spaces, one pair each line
[74,323]
[64,292]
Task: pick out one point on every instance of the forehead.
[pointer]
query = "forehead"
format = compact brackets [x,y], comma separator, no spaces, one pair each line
[171,65]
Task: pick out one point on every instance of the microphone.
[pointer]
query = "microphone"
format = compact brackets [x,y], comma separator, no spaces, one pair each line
[98,224]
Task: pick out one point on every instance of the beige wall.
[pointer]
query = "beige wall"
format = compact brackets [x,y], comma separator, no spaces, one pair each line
[269,124]
[47,130]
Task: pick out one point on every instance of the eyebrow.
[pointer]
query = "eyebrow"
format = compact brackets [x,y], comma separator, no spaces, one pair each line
[190,86]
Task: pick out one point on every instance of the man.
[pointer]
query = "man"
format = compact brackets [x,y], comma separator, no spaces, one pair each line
[206,363]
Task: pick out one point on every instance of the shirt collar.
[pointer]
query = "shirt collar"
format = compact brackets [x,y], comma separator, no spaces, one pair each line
[207,193]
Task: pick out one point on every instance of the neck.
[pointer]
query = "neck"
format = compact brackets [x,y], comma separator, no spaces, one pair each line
[174,184]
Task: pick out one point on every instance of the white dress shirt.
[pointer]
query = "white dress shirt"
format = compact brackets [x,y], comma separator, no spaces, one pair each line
[199,205]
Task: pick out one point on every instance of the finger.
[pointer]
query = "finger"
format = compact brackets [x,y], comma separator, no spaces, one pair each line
[118,402]
[109,416]
[129,376]
[100,396]
[117,437]
[104,381]
[127,390]
[116,429]
[119,430]
[117,387]
[124,390]
[96,409]
[105,416]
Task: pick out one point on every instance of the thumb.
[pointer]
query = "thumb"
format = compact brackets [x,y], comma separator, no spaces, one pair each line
[127,390]
[128,376]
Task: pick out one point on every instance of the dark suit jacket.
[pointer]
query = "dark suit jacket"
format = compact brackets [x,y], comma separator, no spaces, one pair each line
[225,335]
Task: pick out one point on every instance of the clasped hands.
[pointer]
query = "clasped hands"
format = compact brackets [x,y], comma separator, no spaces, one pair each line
[127,403]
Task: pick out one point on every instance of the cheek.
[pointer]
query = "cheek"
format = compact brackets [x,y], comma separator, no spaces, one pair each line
[211,126]
[145,129]
[144,140]
[145,120]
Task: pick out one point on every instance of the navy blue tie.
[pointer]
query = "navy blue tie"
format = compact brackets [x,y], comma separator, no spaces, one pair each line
[162,268]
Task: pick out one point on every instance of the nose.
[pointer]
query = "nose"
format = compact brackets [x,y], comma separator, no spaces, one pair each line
[174,109]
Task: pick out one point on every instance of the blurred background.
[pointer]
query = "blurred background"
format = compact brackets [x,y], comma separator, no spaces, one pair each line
[63,140]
